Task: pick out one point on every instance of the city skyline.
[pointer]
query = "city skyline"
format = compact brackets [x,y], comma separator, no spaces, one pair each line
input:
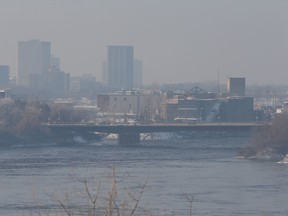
[179,42]
[121,70]
[120,66]
[34,59]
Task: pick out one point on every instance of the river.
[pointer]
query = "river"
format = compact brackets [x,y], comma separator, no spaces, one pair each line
[206,170]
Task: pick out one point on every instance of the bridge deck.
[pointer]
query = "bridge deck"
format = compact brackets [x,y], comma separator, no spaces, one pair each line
[239,126]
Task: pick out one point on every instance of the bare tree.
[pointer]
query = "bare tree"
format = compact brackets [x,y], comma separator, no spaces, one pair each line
[270,139]
[103,197]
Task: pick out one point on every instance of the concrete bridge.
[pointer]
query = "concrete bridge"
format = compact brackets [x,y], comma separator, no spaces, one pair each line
[131,133]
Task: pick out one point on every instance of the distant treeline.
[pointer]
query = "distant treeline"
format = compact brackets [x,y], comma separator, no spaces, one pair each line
[270,140]
[22,119]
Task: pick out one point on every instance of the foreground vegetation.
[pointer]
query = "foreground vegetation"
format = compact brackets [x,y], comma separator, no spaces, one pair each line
[112,195]
[270,140]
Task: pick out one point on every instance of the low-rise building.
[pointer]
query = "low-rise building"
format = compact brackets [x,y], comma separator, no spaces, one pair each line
[237,109]
[199,107]
[144,104]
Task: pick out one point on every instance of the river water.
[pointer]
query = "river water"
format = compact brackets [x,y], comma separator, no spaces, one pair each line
[206,170]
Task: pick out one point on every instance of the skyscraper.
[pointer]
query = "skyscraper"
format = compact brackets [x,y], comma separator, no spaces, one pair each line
[120,67]
[137,79]
[104,73]
[56,82]
[4,75]
[55,62]
[33,62]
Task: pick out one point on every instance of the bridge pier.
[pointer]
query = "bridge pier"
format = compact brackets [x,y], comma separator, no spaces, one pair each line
[128,138]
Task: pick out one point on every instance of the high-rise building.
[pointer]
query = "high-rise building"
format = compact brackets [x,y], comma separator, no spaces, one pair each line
[4,75]
[57,81]
[137,77]
[34,58]
[104,73]
[55,62]
[120,67]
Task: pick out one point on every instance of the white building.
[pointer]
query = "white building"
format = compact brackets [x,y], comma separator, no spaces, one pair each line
[130,102]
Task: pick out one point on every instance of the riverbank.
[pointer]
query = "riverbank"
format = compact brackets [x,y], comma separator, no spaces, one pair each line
[7,138]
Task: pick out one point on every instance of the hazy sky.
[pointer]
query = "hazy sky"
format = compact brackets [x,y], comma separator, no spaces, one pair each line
[177,40]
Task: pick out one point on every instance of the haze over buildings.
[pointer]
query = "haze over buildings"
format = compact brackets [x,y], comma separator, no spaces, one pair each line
[34,58]
[39,70]
[137,77]
[236,86]
[120,66]
[121,70]
[4,75]
[179,41]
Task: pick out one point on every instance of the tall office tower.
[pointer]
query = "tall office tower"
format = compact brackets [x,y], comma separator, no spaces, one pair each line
[55,62]
[104,72]
[33,62]
[4,75]
[120,66]
[236,86]
[137,82]
[57,81]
